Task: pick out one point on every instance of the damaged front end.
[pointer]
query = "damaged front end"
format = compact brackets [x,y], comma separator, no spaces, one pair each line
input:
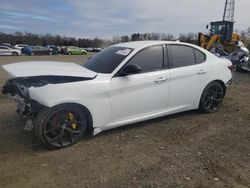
[18,89]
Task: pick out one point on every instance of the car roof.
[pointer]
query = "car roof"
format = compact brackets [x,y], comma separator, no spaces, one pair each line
[6,46]
[143,44]
[22,44]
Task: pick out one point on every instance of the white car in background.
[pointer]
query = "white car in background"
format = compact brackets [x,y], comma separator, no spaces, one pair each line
[123,84]
[20,46]
[8,50]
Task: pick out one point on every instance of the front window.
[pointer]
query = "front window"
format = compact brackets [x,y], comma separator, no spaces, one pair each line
[108,59]
[149,59]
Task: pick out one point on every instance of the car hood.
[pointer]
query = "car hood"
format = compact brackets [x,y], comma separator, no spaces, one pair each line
[47,68]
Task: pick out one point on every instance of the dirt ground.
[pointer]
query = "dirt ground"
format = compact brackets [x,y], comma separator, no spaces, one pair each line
[183,150]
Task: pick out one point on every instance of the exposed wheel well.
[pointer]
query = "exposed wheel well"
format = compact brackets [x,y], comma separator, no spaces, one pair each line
[90,119]
[218,81]
[88,114]
[222,84]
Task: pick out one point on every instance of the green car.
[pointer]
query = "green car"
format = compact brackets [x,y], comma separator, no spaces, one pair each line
[73,50]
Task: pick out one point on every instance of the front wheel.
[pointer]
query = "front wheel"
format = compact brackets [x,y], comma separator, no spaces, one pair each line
[211,98]
[61,126]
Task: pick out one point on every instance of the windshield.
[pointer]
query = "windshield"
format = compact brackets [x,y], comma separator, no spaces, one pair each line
[108,59]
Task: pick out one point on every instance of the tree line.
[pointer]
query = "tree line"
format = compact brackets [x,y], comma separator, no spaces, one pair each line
[48,39]
[36,39]
[189,37]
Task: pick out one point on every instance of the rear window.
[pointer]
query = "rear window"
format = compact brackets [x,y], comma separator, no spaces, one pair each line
[199,56]
[182,56]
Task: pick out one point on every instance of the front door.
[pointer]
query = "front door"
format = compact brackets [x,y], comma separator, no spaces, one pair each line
[141,94]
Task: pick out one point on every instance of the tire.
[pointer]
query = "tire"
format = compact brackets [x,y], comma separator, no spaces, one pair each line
[15,54]
[84,53]
[32,53]
[211,98]
[69,53]
[56,128]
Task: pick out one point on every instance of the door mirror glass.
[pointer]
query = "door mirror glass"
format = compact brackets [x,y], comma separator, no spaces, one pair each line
[130,69]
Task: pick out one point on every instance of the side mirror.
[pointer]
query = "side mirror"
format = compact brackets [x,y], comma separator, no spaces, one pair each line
[130,69]
[207,26]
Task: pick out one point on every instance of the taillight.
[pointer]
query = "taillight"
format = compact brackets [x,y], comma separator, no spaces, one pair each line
[231,67]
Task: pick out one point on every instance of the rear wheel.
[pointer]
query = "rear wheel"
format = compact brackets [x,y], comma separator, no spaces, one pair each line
[61,126]
[69,53]
[211,98]
[15,54]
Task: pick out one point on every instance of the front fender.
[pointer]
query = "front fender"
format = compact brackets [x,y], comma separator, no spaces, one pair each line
[91,98]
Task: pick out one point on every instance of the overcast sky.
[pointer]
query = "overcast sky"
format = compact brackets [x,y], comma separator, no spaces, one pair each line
[108,18]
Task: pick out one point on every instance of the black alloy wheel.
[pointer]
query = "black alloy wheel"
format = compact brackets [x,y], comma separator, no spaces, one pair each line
[62,126]
[212,98]
[15,54]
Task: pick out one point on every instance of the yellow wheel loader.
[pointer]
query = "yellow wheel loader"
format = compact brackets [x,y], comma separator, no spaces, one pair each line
[221,36]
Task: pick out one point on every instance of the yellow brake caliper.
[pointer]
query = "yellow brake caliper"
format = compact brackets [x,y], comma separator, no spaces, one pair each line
[71,118]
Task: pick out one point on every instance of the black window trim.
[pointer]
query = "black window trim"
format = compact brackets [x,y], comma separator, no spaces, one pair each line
[166,57]
[170,62]
[117,74]
[5,48]
[205,57]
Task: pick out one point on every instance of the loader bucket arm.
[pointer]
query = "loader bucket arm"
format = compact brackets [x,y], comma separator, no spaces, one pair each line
[213,39]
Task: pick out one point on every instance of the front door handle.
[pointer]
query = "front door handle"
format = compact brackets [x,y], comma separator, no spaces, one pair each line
[201,72]
[161,79]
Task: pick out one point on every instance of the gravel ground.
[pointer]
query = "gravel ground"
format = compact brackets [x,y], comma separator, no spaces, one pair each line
[183,150]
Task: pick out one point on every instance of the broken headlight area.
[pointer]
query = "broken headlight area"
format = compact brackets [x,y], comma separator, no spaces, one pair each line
[20,94]
[18,89]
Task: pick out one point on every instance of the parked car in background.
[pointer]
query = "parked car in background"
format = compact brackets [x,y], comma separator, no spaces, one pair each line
[61,49]
[53,48]
[88,49]
[73,50]
[97,49]
[5,44]
[20,46]
[123,84]
[8,50]
[37,50]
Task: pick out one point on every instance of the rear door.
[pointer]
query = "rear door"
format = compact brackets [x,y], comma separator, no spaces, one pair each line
[44,51]
[35,50]
[189,73]
[78,51]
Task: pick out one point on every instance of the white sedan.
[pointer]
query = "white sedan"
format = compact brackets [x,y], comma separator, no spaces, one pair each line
[123,84]
[8,50]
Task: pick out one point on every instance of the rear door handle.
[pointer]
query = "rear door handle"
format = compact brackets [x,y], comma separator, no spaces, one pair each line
[202,72]
[161,79]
